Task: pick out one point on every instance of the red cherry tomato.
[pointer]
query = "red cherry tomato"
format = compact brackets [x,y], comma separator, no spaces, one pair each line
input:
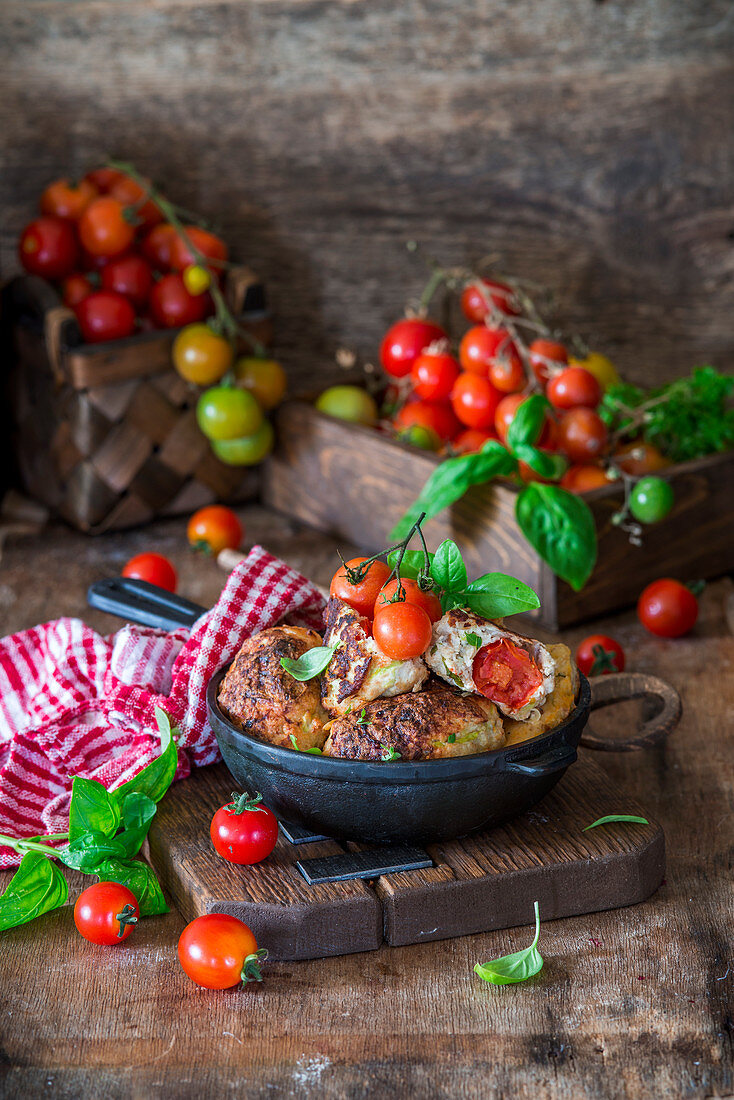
[667,608]
[435,415]
[213,529]
[475,400]
[171,305]
[433,375]
[68,200]
[106,913]
[546,356]
[105,315]
[213,248]
[574,388]
[640,458]
[104,229]
[582,435]
[74,288]
[474,300]
[153,568]
[404,341]
[360,596]
[527,473]
[582,479]
[218,951]
[48,247]
[429,601]
[505,412]
[481,347]
[157,246]
[471,440]
[599,655]
[128,192]
[129,275]
[103,178]
[244,831]
[507,373]
[402,630]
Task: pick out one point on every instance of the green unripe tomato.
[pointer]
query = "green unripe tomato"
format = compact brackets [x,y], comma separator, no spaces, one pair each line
[247,451]
[651,499]
[420,436]
[348,403]
[225,412]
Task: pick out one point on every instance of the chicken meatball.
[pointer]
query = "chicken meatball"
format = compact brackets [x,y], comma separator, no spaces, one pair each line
[556,707]
[426,725]
[264,700]
[359,671]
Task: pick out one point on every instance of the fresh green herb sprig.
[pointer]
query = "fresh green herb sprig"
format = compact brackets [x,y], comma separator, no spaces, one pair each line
[314,751]
[390,754]
[517,967]
[611,818]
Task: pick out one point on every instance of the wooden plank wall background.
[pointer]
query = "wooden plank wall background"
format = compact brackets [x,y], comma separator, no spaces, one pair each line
[589,143]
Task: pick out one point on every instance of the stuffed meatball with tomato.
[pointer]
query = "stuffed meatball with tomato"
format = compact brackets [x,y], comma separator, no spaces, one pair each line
[556,707]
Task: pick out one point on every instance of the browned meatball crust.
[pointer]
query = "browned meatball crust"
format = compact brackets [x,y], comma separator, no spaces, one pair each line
[264,700]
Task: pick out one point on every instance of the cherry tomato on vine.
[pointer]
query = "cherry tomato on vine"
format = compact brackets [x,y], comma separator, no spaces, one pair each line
[130,193]
[667,608]
[480,347]
[527,473]
[244,831]
[264,378]
[171,305]
[640,458]
[74,288]
[474,299]
[104,228]
[129,275]
[218,951]
[210,246]
[505,412]
[214,528]
[403,343]
[602,368]
[360,596]
[402,630]
[224,412]
[574,388]
[102,178]
[546,356]
[247,451]
[582,479]
[105,315]
[437,416]
[48,247]
[201,355]
[651,499]
[106,913]
[157,245]
[197,279]
[433,375]
[68,200]
[417,435]
[429,601]
[507,373]
[153,568]
[472,439]
[348,403]
[582,435]
[599,655]
[474,400]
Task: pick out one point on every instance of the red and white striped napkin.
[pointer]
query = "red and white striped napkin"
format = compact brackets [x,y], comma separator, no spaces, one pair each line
[75,703]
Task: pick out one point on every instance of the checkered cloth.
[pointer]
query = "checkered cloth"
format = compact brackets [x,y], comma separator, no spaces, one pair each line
[75,703]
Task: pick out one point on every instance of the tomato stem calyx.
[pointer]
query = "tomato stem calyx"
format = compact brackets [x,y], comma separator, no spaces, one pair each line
[605,660]
[251,967]
[242,803]
[127,916]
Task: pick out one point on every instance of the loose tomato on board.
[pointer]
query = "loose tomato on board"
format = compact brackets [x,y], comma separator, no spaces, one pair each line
[201,355]
[130,193]
[74,288]
[247,451]
[104,228]
[105,315]
[574,388]
[362,595]
[244,831]
[402,630]
[48,247]
[582,435]
[153,568]
[599,655]
[218,951]
[474,299]
[474,400]
[68,200]
[264,378]
[211,247]
[106,913]
[547,356]
[429,601]
[667,608]
[157,246]
[224,412]
[131,276]
[433,375]
[171,305]
[403,343]
[213,529]
[437,416]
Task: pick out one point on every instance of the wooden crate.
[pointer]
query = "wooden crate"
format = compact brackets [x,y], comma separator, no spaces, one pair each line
[355,482]
[106,434]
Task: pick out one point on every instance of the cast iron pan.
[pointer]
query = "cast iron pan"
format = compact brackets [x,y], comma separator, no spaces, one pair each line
[424,800]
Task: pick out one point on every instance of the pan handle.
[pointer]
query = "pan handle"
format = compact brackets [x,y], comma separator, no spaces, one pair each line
[141,602]
[554,760]
[620,686]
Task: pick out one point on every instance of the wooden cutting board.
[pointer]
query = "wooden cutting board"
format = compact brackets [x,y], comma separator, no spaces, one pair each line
[483,882]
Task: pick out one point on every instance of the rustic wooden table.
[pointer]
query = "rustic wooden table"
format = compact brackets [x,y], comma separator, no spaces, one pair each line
[631,1003]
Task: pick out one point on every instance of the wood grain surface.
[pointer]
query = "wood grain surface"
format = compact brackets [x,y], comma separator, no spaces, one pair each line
[589,146]
[631,1003]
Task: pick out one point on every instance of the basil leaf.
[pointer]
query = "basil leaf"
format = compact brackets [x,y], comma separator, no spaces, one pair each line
[451,479]
[314,751]
[137,813]
[474,639]
[448,569]
[310,663]
[617,817]
[527,423]
[518,967]
[139,878]
[412,565]
[92,808]
[452,599]
[155,779]
[560,526]
[495,595]
[89,850]
[390,754]
[37,887]
[547,465]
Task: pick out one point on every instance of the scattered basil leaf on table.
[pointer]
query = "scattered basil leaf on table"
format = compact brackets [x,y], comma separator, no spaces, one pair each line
[138,877]
[412,565]
[560,526]
[310,663]
[89,850]
[448,569]
[92,807]
[137,813]
[547,465]
[527,423]
[37,887]
[497,594]
[518,967]
[617,817]
[473,639]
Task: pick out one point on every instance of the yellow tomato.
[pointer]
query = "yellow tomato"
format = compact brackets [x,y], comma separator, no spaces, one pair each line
[602,368]
[196,279]
[264,378]
[201,355]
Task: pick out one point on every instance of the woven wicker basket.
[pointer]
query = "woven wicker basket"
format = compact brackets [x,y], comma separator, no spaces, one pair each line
[106,434]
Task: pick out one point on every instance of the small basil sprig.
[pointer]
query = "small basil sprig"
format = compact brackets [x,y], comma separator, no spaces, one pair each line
[518,967]
[314,751]
[492,596]
[310,663]
[610,818]
[390,754]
